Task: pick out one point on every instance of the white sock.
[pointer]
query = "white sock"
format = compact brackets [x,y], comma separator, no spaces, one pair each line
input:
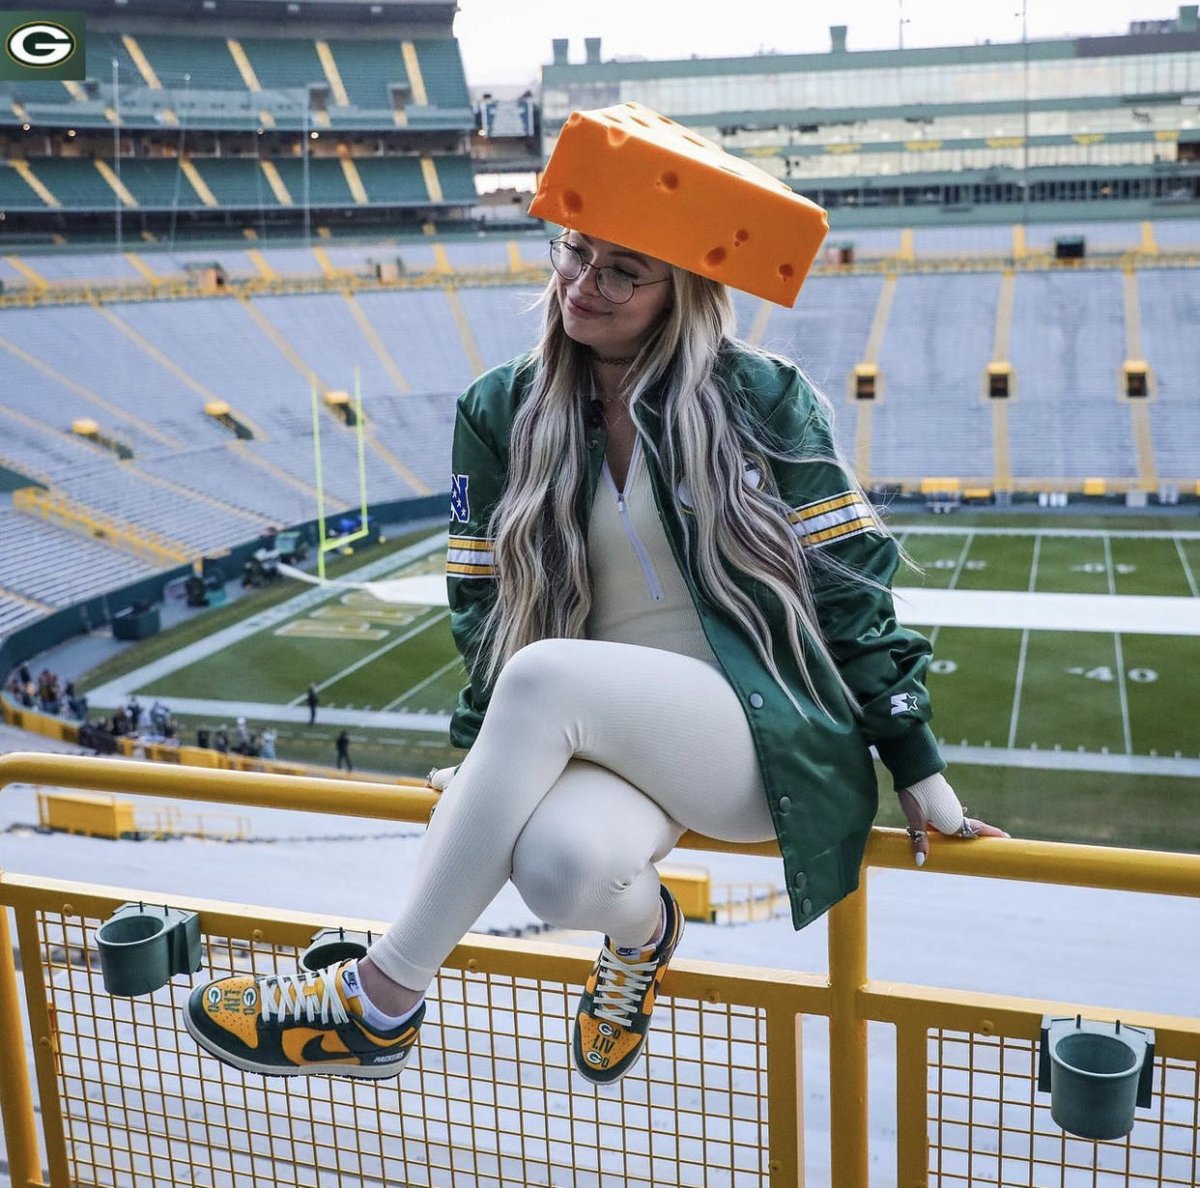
[634,952]
[353,986]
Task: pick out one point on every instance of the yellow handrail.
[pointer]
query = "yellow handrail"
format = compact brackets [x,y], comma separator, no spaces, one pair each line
[849,999]
[103,292]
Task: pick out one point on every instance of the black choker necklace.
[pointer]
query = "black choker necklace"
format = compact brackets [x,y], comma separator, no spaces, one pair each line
[615,360]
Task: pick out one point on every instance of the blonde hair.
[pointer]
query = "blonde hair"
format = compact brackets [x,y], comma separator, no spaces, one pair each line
[709,439]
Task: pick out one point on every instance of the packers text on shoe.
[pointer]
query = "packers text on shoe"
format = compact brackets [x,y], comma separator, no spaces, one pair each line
[297,1023]
[615,1007]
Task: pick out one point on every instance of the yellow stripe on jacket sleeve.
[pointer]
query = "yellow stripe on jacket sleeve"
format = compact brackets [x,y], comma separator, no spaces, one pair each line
[834,518]
[470,556]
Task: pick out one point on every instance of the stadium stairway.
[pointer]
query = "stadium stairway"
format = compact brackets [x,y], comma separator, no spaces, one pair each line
[281,342]
[376,343]
[862,440]
[1001,460]
[157,354]
[1139,410]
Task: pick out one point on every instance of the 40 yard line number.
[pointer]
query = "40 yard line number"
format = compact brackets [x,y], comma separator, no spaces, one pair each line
[1139,676]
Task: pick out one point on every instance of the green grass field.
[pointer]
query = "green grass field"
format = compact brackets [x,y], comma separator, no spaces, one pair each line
[1051,695]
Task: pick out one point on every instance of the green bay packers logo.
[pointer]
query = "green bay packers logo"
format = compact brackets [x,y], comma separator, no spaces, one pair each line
[41,44]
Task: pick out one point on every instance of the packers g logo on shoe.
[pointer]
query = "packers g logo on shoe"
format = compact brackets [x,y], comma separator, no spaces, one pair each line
[41,44]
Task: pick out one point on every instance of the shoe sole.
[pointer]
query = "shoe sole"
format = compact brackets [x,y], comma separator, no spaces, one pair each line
[354,1072]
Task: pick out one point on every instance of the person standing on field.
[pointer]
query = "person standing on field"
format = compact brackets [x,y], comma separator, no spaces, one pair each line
[343,752]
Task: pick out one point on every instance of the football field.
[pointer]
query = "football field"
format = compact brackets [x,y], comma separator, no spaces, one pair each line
[1120,693]
[1090,710]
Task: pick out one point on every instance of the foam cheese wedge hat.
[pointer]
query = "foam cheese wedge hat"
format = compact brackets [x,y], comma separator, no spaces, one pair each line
[639,179]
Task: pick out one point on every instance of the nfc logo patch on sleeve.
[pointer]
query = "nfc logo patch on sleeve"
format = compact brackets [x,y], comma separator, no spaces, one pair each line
[38,44]
[460,503]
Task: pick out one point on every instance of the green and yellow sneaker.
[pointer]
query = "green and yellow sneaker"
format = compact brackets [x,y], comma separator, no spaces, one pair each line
[297,1023]
[617,1001]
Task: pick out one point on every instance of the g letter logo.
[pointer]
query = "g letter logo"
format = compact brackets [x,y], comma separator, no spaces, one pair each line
[42,45]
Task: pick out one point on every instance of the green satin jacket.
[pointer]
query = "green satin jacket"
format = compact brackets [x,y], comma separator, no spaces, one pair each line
[817,768]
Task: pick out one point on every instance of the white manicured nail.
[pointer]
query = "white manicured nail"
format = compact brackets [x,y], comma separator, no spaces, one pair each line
[919,858]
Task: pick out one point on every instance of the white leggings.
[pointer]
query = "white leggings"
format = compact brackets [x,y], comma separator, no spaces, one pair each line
[593,759]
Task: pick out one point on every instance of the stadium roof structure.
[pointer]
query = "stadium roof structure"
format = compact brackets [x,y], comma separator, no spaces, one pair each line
[376,11]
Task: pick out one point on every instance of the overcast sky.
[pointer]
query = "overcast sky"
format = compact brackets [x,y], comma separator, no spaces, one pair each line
[506,42]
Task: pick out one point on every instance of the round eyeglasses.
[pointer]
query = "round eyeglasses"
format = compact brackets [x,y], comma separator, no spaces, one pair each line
[615,285]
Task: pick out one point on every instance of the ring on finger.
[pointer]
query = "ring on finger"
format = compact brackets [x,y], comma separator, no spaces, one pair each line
[967,828]
[915,835]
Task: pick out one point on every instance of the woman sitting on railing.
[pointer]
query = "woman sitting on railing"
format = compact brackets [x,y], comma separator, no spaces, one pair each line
[673,601]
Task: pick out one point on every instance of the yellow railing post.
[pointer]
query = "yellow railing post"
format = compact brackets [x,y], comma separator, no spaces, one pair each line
[785,1107]
[20,1130]
[848,1122]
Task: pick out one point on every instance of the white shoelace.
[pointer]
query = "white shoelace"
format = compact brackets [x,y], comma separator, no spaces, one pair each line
[615,1002]
[294,997]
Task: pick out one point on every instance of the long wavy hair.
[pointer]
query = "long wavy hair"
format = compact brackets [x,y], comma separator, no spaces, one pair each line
[710,444]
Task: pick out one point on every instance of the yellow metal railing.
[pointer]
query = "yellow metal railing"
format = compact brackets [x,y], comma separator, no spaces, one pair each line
[58,509]
[123,1097]
[175,288]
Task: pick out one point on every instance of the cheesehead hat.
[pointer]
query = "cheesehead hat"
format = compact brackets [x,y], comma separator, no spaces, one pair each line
[639,179]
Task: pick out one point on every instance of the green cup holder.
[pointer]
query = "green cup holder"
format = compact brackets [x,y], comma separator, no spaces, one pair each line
[331,946]
[1097,1074]
[142,946]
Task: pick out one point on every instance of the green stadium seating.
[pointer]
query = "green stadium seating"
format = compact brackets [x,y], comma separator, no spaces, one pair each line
[102,48]
[206,59]
[393,181]
[34,92]
[75,182]
[442,70]
[14,193]
[368,69]
[158,184]
[326,182]
[237,183]
[457,178]
[284,63]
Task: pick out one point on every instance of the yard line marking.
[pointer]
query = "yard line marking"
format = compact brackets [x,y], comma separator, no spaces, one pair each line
[1122,692]
[962,560]
[445,668]
[1187,569]
[371,656]
[1079,533]
[1020,681]
[1108,564]
[1020,678]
